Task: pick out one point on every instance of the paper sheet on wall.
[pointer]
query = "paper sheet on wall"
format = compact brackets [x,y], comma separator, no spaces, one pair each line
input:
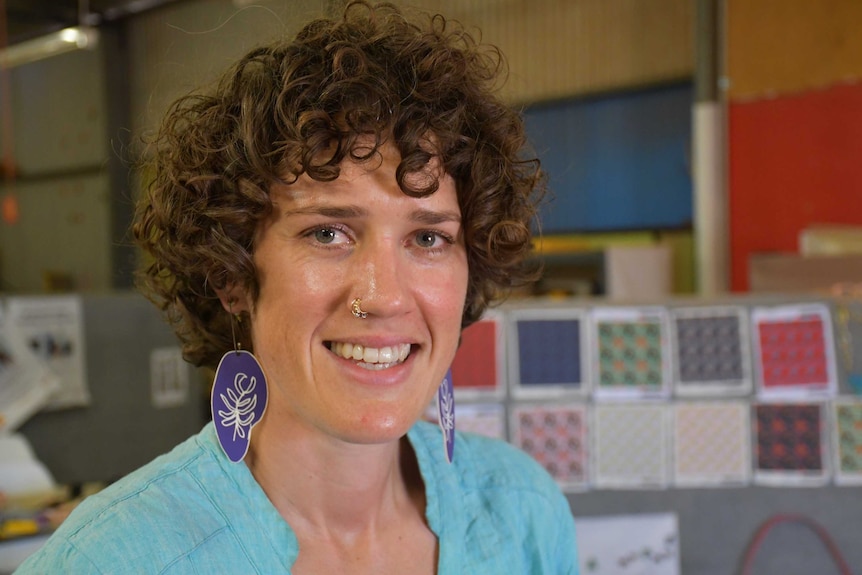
[51,329]
[25,384]
[628,544]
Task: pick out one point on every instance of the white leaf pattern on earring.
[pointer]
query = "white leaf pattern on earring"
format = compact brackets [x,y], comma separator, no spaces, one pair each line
[446,414]
[238,401]
[240,404]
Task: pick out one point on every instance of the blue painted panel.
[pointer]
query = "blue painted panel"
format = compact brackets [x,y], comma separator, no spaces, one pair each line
[617,162]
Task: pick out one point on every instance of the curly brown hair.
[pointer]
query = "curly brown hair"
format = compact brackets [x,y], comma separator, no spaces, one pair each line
[300,106]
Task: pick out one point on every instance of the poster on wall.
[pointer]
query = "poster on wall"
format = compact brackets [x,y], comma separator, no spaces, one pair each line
[51,330]
[644,544]
[25,383]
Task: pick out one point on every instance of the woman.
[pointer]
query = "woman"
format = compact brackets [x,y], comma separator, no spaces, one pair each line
[322,227]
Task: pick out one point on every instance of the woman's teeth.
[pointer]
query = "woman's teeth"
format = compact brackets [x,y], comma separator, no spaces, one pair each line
[375,358]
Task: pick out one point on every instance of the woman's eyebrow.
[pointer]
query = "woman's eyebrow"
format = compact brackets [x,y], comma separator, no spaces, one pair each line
[433,217]
[422,215]
[336,212]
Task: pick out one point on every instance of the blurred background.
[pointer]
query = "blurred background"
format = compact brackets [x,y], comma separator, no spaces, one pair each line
[703,151]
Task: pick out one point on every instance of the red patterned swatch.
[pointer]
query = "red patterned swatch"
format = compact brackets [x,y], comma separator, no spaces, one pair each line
[789,443]
[794,350]
[556,436]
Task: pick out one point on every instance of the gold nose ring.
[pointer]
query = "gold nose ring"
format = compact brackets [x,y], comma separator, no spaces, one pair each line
[356,309]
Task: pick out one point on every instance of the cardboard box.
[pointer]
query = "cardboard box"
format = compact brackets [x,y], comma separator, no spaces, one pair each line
[793,273]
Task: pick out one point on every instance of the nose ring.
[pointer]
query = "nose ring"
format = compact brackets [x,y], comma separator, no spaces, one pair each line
[356,309]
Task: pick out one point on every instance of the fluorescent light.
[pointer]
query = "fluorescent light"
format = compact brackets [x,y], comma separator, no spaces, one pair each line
[66,40]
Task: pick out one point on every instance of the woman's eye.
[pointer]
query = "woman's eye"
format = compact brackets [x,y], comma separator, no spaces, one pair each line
[429,239]
[426,239]
[328,235]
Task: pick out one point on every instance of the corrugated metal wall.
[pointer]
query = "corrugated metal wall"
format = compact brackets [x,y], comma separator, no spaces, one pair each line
[562,48]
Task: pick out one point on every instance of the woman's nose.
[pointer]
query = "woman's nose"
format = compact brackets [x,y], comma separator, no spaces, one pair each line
[381,278]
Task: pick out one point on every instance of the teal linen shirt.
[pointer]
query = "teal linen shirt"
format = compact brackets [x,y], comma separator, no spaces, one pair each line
[494,510]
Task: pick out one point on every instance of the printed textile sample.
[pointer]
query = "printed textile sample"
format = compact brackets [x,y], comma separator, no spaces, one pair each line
[632,358]
[794,351]
[789,447]
[546,352]
[711,351]
[488,419]
[476,370]
[556,437]
[630,446]
[712,444]
[847,438]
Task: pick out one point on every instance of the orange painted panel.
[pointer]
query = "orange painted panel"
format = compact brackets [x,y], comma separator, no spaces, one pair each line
[790,46]
[794,161]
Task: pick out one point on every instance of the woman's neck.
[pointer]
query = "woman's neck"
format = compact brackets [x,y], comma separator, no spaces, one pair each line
[323,485]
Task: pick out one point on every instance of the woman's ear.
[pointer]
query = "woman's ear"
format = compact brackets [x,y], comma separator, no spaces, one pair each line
[234,299]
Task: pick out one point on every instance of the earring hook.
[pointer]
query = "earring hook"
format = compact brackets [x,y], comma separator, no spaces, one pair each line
[234,317]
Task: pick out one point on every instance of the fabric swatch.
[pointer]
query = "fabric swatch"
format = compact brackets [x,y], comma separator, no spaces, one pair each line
[712,443]
[711,355]
[475,368]
[789,443]
[630,446]
[488,419]
[847,434]
[556,437]
[631,353]
[546,352]
[794,351]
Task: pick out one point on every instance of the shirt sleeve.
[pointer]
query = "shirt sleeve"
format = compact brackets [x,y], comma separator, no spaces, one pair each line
[567,548]
[57,556]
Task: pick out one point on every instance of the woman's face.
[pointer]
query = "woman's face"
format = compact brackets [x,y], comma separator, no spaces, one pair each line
[358,380]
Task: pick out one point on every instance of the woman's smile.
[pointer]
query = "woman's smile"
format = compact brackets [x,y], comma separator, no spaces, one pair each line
[371,357]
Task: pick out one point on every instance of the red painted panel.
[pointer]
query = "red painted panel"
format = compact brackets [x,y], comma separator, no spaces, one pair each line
[793,161]
[475,364]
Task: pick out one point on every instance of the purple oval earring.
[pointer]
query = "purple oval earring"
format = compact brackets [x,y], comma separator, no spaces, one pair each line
[446,414]
[239,398]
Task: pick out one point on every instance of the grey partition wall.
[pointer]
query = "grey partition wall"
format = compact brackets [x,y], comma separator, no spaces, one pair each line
[122,428]
[716,526]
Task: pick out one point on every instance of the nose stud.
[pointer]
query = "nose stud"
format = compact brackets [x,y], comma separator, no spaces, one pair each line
[356,309]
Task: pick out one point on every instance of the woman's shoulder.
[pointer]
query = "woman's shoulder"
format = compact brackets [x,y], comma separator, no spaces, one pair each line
[171,475]
[165,498]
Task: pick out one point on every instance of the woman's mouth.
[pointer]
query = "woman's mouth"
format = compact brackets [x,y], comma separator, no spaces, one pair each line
[371,357]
